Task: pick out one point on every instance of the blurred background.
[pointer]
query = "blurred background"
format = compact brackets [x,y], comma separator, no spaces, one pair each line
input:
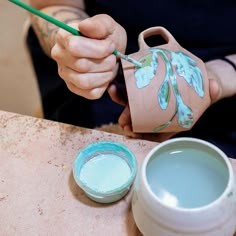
[18,86]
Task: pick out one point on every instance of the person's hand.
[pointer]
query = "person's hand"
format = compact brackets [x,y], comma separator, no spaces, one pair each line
[222,83]
[87,64]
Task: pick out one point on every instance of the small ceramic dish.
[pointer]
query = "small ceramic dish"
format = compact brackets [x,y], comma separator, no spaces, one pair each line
[105,171]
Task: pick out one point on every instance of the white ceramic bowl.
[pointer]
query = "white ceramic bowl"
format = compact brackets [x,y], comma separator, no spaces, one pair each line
[105,171]
[167,204]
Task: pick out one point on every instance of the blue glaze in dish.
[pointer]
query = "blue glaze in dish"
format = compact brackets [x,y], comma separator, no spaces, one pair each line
[126,167]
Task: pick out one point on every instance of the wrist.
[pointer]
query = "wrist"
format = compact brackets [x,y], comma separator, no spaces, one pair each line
[232,59]
[46,31]
[229,61]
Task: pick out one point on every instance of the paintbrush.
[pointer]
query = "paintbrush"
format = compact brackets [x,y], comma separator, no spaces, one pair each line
[69,29]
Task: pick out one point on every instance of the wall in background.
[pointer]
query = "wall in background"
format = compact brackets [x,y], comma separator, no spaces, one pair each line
[18,87]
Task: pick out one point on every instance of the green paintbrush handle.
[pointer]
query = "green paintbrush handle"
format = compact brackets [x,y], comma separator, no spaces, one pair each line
[67,28]
[47,17]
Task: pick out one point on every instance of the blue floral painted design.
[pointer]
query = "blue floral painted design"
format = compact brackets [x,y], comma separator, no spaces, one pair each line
[185,67]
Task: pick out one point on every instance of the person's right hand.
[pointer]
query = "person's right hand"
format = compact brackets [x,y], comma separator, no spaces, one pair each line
[87,64]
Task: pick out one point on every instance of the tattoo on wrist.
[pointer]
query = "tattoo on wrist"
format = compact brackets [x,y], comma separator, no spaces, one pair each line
[42,34]
[79,15]
[47,30]
[73,15]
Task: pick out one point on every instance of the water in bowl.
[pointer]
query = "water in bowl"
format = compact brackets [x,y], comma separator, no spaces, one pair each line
[187,178]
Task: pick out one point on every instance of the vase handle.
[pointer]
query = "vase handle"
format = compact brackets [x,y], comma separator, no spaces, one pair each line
[158,30]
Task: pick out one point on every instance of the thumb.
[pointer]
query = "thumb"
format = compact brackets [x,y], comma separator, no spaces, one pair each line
[215,90]
[97,27]
[125,118]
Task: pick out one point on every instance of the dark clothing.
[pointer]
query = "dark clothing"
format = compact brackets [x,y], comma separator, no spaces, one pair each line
[203,27]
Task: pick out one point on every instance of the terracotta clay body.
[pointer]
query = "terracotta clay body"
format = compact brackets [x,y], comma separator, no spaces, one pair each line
[170,91]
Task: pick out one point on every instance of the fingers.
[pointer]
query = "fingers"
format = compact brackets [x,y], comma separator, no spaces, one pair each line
[98,27]
[89,85]
[215,90]
[80,46]
[84,80]
[90,93]
[125,123]
[104,27]
[125,119]
[82,65]
[85,76]
[87,64]
[158,137]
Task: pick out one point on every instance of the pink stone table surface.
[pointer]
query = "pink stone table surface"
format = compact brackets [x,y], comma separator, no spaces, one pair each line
[38,195]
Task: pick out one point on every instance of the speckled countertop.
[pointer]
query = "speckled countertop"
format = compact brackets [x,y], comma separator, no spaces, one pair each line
[38,195]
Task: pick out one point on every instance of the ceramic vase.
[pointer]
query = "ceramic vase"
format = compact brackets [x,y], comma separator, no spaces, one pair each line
[170,91]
